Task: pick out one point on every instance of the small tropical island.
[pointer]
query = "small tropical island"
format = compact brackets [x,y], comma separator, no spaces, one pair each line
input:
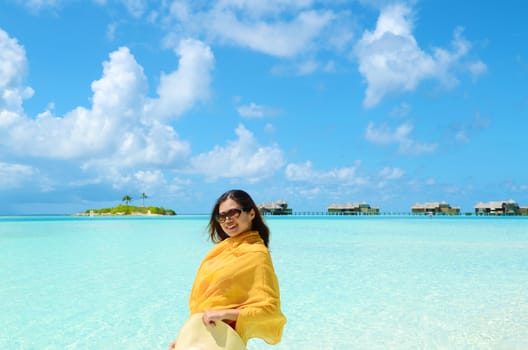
[127,209]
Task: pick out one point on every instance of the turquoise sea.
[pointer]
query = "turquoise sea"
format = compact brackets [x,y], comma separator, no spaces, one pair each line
[346,282]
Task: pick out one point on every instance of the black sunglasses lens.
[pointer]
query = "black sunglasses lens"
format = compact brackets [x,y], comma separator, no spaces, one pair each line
[233,213]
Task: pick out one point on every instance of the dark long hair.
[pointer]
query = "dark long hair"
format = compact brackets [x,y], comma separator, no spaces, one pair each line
[217,234]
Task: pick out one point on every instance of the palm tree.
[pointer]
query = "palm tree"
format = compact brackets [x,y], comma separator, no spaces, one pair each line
[126,199]
[143,197]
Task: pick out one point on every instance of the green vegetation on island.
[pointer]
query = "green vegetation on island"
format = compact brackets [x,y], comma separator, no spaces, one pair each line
[127,209]
[130,210]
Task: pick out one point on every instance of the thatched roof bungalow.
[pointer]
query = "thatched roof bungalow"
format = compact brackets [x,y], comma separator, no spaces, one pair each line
[362,208]
[434,208]
[279,207]
[509,207]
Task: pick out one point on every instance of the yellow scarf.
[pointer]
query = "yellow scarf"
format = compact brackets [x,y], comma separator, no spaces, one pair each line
[238,274]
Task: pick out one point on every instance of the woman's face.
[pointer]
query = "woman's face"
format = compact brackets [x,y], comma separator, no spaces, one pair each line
[234,225]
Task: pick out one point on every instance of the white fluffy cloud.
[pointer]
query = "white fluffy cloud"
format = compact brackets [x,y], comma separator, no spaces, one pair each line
[37,5]
[13,69]
[391,60]
[464,130]
[124,137]
[157,145]
[135,7]
[14,175]
[254,110]
[258,8]
[84,133]
[389,173]
[383,135]
[477,68]
[180,90]
[244,159]
[121,90]
[123,128]
[258,25]
[305,172]
[150,181]
[282,39]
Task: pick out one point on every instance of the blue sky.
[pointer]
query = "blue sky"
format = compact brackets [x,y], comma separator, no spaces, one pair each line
[312,102]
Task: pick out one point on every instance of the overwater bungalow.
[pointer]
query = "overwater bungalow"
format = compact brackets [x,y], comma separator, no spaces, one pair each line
[362,208]
[279,207]
[509,207]
[434,208]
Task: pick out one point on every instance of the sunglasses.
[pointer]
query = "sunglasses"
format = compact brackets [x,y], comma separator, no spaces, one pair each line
[231,213]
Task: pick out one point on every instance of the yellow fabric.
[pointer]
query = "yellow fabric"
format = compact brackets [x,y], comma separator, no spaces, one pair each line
[238,274]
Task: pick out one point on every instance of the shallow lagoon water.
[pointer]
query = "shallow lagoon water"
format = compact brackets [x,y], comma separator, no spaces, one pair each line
[346,282]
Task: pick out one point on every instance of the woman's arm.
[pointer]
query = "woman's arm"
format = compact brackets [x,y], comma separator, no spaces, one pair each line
[210,317]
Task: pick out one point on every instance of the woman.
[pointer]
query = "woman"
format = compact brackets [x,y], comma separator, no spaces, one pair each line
[236,281]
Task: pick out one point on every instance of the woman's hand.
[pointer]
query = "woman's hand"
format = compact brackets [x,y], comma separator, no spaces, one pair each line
[210,317]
